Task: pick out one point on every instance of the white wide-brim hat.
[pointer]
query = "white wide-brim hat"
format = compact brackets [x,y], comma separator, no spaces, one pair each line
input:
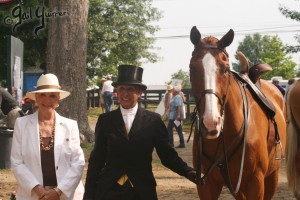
[177,88]
[48,83]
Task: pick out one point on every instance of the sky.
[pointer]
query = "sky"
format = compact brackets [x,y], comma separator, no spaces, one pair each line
[216,18]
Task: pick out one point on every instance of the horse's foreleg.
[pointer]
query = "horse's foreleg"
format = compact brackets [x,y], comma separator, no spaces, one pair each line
[271,184]
[254,187]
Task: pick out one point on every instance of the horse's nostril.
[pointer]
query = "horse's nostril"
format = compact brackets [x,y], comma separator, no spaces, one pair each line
[213,132]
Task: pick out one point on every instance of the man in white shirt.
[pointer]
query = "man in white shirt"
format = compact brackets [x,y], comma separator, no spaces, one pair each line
[107,91]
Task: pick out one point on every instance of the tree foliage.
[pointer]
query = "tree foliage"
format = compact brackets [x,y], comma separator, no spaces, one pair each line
[118,34]
[294,15]
[34,45]
[267,49]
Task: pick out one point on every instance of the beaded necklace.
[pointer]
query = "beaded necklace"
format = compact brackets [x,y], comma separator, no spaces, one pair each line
[51,143]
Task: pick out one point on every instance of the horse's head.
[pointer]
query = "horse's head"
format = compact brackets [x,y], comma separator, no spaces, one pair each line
[209,67]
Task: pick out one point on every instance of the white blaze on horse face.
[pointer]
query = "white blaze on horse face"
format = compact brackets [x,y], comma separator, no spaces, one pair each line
[211,116]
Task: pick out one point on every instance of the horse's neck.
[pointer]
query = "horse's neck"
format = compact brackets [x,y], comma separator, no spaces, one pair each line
[234,108]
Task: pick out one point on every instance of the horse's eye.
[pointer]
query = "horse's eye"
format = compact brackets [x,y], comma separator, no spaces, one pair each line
[226,70]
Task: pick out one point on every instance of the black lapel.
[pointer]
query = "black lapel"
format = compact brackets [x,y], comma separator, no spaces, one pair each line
[118,122]
[137,122]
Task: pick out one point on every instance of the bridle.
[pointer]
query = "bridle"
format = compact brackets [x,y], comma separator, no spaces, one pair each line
[222,99]
[242,132]
[208,46]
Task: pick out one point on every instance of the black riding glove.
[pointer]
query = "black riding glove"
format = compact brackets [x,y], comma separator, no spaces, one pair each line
[192,176]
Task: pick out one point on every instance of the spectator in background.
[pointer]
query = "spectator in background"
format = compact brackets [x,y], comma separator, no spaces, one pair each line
[184,100]
[107,91]
[9,107]
[101,100]
[168,97]
[14,93]
[176,116]
[290,82]
[275,81]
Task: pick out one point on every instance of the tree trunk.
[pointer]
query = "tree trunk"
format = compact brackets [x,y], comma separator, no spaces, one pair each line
[66,58]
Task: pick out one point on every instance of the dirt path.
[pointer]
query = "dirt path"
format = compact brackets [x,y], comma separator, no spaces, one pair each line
[173,187]
[170,185]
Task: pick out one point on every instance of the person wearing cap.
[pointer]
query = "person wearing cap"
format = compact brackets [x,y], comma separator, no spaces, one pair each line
[9,107]
[276,82]
[46,157]
[120,164]
[168,97]
[108,94]
[101,100]
[176,115]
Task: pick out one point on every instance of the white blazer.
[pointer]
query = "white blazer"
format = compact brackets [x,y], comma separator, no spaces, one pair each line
[26,157]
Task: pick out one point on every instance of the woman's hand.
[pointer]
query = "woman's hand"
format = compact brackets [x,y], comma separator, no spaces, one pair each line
[50,195]
[40,191]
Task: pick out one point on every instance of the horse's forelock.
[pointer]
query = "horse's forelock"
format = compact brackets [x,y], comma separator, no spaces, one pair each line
[210,40]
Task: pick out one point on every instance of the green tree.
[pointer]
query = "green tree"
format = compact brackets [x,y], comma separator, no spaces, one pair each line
[294,15]
[119,34]
[184,76]
[267,49]
[34,45]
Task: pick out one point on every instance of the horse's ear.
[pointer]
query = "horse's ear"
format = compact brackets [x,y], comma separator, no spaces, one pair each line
[226,40]
[195,35]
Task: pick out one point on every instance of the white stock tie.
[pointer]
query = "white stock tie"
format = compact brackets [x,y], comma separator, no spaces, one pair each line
[128,119]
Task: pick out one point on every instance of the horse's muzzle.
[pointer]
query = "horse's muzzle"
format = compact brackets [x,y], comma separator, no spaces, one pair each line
[212,134]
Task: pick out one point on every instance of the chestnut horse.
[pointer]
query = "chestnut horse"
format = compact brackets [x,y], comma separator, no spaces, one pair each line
[233,144]
[293,139]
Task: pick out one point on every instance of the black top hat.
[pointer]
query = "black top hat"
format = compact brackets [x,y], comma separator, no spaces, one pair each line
[130,75]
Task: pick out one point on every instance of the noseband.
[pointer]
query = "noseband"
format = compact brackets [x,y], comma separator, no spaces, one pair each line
[221,99]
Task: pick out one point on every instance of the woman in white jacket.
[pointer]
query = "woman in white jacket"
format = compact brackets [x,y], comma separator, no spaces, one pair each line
[46,157]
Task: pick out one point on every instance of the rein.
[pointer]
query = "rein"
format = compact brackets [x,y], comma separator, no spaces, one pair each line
[243,131]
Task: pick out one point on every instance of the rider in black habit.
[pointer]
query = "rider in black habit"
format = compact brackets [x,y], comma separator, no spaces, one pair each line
[120,163]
